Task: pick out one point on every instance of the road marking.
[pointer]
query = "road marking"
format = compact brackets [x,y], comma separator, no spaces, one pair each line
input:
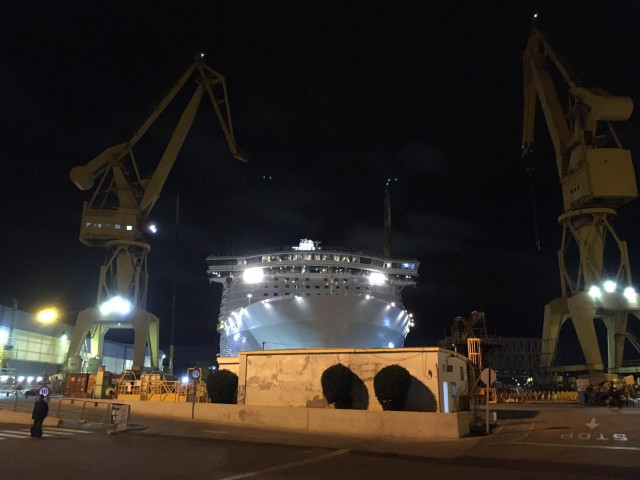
[501,426]
[67,430]
[47,432]
[592,424]
[288,465]
[576,446]
[13,434]
[525,435]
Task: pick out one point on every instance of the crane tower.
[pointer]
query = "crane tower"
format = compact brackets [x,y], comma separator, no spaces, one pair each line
[597,177]
[116,218]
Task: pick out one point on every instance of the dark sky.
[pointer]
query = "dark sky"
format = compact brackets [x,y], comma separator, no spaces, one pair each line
[328,99]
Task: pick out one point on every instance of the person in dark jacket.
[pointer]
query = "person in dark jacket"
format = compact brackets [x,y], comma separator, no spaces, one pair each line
[40,412]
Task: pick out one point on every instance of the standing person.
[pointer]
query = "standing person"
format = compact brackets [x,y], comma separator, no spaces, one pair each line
[40,412]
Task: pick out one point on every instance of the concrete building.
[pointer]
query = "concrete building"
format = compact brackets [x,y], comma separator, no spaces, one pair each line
[29,348]
[291,378]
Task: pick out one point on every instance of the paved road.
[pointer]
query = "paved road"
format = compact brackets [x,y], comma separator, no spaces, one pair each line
[530,441]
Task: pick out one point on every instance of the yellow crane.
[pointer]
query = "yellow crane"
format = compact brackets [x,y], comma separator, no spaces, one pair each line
[597,176]
[115,218]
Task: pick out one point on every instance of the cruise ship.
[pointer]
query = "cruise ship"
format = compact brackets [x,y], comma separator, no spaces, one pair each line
[311,296]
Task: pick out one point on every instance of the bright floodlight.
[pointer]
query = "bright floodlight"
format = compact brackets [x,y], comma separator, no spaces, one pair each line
[377,278]
[252,275]
[390,345]
[21,378]
[115,305]
[39,379]
[595,292]
[47,316]
[153,228]
[29,379]
[610,286]
[630,294]
[4,336]
[184,380]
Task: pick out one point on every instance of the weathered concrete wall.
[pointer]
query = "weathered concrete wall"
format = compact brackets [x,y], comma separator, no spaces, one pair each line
[356,423]
[228,363]
[292,377]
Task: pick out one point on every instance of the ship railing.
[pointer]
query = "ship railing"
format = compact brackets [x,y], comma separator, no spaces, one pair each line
[324,249]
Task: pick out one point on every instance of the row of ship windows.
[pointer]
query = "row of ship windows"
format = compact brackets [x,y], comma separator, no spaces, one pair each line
[314,257]
[346,287]
[266,294]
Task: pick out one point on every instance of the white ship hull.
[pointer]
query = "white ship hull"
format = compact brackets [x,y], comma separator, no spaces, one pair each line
[323,321]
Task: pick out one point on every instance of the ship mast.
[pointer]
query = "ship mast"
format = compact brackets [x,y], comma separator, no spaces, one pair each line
[386,235]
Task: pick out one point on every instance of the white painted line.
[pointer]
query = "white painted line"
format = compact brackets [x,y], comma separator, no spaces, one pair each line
[9,435]
[46,431]
[501,426]
[288,465]
[525,435]
[577,446]
[16,432]
[67,430]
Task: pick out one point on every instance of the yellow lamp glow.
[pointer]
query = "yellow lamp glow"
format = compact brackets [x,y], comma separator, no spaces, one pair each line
[47,316]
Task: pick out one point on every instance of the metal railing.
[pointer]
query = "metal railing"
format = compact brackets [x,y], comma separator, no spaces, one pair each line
[74,409]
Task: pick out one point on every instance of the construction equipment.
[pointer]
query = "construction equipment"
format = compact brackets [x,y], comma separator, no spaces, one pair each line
[116,219]
[597,176]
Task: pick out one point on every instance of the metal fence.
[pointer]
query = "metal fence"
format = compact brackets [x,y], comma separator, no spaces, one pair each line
[74,409]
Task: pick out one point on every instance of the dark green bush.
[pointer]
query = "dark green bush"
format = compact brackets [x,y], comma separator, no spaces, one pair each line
[337,381]
[222,386]
[391,386]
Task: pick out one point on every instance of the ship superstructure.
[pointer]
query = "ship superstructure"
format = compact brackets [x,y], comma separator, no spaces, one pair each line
[311,296]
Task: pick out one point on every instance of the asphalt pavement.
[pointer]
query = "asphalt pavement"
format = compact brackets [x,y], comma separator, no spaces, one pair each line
[544,436]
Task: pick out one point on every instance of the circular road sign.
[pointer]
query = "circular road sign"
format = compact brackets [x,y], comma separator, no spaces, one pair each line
[195,373]
[488,376]
[44,391]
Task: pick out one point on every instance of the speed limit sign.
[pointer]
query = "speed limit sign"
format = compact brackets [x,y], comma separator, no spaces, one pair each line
[44,391]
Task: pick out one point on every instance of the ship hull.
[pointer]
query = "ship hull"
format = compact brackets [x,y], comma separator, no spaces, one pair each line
[319,321]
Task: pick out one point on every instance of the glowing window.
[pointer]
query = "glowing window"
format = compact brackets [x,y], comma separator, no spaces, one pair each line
[117,226]
[129,228]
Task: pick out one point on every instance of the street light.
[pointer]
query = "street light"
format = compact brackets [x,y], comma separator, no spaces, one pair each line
[47,316]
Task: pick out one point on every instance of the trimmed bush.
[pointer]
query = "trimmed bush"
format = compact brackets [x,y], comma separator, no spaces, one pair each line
[337,381]
[391,386]
[222,386]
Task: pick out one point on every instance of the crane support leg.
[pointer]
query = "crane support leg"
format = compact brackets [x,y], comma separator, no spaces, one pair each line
[616,335]
[582,310]
[556,313]
[145,325]
[91,322]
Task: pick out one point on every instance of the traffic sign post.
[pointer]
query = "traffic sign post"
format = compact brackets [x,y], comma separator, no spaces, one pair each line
[488,377]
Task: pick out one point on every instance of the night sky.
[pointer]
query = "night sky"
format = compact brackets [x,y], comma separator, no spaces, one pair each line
[328,100]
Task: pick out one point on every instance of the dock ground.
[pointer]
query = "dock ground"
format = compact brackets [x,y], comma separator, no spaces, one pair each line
[557,440]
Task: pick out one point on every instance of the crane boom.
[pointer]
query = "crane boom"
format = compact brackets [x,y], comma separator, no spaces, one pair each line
[591,170]
[113,219]
[122,197]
